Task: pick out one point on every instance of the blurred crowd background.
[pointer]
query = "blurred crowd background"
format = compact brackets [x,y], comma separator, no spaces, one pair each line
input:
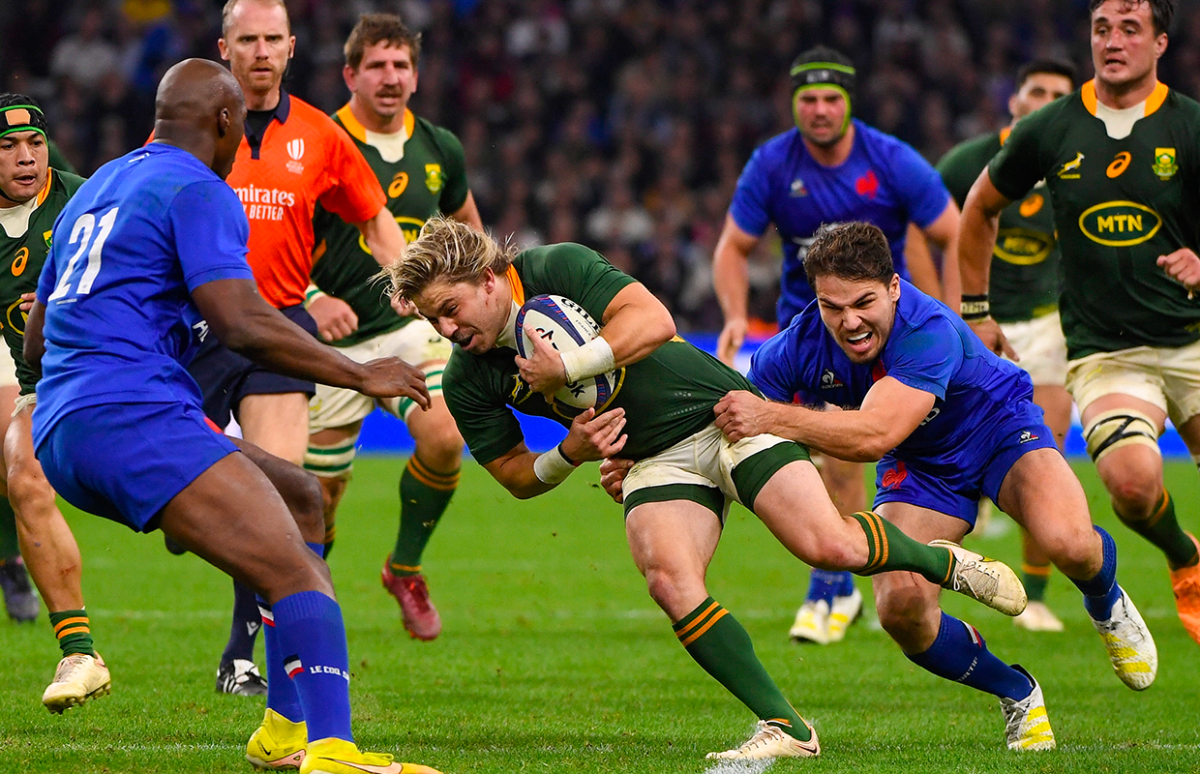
[622,124]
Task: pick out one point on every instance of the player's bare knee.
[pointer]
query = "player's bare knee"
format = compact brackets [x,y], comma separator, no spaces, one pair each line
[440,447]
[29,491]
[1133,497]
[667,588]
[902,608]
[306,501]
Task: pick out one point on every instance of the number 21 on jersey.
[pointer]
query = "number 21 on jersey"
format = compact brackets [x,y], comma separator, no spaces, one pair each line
[81,234]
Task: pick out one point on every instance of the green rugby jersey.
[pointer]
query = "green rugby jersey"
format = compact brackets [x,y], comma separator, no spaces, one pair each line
[430,177]
[1025,262]
[1119,204]
[667,396]
[24,245]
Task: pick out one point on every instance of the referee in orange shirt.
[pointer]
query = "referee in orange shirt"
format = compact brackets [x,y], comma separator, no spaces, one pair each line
[292,157]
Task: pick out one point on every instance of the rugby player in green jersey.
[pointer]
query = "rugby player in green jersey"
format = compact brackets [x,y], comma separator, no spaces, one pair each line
[31,197]
[422,169]
[1024,291]
[1121,159]
[686,471]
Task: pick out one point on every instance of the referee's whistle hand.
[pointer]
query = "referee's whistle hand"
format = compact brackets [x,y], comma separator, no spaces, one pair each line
[391,377]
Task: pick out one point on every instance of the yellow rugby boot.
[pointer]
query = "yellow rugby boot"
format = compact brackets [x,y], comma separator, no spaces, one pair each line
[277,744]
[337,756]
[1130,645]
[79,677]
[1026,724]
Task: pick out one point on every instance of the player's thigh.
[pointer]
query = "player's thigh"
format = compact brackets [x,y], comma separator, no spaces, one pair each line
[1181,375]
[299,489]
[845,482]
[276,423]
[420,345]
[29,490]
[1121,431]
[1042,494]
[261,546]
[672,542]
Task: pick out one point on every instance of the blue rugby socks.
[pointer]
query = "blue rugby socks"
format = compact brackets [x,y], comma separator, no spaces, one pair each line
[827,584]
[312,638]
[960,654]
[244,628]
[1101,591]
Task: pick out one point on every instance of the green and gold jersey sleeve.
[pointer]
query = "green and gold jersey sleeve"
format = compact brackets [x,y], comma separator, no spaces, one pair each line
[429,177]
[22,257]
[1025,279]
[667,396]
[1022,161]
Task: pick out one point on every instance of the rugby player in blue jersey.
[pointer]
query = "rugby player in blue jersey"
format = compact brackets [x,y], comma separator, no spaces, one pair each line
[948,421]
[147,259]
[831,168]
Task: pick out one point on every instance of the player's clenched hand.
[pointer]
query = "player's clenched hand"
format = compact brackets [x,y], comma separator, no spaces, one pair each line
[1183,266]
[988,331]
[543,371]
[391,377]
[730,340]
[741,414]
[612,476]
[594,437]
[335,319]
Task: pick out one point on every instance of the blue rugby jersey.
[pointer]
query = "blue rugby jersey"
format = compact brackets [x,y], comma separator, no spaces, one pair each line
[931,349]
[883,181]
[137,238]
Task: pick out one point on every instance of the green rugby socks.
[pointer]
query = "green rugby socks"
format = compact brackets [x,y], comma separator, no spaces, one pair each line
[722,648]
[889,549]
[424,496]
[73,631]
[1163,530]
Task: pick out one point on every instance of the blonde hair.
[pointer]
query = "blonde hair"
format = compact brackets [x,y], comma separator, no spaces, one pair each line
[450,251]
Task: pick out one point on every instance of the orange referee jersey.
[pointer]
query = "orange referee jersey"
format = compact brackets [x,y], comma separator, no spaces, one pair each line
[301,159]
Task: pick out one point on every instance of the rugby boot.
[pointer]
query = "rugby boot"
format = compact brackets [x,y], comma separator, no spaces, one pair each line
[844,611]
[337,756]
[20,600]
[771,741]
[1130,645]
[1038,617]
[989,581]
[79,677]
[812,622]
[1185,582]
[278,744]
[240,677]
[417,612]
[1026,725]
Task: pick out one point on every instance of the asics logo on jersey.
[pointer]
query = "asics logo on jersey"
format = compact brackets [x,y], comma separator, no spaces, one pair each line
[1119,164]
[1119,223]
[1070,170]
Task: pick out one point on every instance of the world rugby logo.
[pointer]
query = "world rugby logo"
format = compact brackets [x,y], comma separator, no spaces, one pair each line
[295,151]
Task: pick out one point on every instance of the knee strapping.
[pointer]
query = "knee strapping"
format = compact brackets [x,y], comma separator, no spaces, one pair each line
[1120,427]
[333,460]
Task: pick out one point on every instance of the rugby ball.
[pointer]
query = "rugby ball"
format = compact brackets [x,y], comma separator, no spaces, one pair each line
[566,325]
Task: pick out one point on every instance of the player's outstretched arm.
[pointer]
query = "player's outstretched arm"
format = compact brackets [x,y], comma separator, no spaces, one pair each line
[976,241]
[890,413]
[244,322]
[528,474]
[944,232]
[384,237]
[731,280]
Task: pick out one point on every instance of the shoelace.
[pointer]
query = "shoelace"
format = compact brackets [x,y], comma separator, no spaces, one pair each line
[70,665]
[765,734]
[988,579]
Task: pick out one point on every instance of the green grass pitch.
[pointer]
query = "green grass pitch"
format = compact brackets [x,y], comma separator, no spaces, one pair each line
[554,659]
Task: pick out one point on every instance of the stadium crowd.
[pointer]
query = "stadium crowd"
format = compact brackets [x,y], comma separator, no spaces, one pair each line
[622,124]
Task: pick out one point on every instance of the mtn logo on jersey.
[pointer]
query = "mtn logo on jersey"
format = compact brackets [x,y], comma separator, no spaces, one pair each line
[295,151]
[1070,170]
[1119,223]
[266,203]
[829,380]
[867,185]
[798,188]
[1027,436]
[1022,247]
